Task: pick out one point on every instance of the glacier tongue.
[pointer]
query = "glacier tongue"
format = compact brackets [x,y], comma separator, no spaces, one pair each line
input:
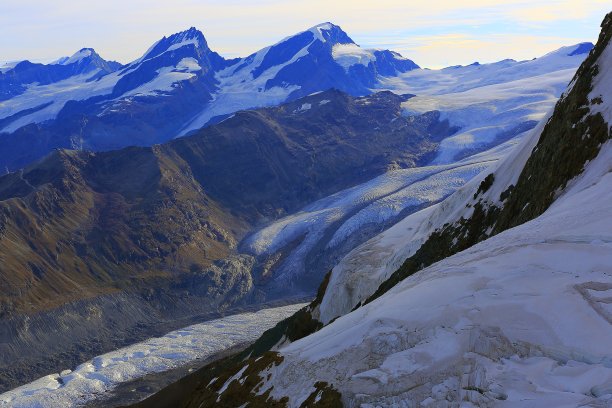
[103,373]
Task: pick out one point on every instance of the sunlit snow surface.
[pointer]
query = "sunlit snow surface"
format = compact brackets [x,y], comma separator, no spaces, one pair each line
[522,319]
[487,100]
[99,375]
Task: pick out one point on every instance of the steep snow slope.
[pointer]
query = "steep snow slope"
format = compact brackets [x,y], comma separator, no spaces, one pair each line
[524,315]
[358,274]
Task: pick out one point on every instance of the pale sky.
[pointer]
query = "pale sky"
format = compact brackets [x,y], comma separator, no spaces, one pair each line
[433,33]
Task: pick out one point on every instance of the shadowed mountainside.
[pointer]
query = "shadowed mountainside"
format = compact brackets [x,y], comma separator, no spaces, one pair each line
[156,225]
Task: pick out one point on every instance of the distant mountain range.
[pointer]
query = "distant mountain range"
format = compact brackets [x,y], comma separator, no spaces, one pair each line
[156,229]
[179,85]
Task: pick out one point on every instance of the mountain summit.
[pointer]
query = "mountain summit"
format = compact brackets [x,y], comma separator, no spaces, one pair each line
[188,43]
[328,32]
[87,60]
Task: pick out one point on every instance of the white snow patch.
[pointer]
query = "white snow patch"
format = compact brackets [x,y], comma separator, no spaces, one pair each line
[188,65]
[234,377]
[164,82]
[303,108]
[78,56]
[348,55]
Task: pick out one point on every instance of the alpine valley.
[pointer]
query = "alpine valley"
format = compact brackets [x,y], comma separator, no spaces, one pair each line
[453,227]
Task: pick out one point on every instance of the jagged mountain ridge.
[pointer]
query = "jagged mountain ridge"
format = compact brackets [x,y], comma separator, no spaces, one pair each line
[164,93]
[428,337]
[180,85]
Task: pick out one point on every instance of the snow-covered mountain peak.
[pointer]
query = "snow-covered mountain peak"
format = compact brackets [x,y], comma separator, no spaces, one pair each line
[328,32]
[86,60]
[188,38]
[78,56]
[582,48]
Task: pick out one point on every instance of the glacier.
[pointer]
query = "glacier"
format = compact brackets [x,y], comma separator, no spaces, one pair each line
[74,388]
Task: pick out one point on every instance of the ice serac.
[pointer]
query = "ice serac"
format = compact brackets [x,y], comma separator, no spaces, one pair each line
[503,299]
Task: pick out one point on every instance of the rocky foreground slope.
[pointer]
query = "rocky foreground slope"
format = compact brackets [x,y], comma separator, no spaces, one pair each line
[503,297]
